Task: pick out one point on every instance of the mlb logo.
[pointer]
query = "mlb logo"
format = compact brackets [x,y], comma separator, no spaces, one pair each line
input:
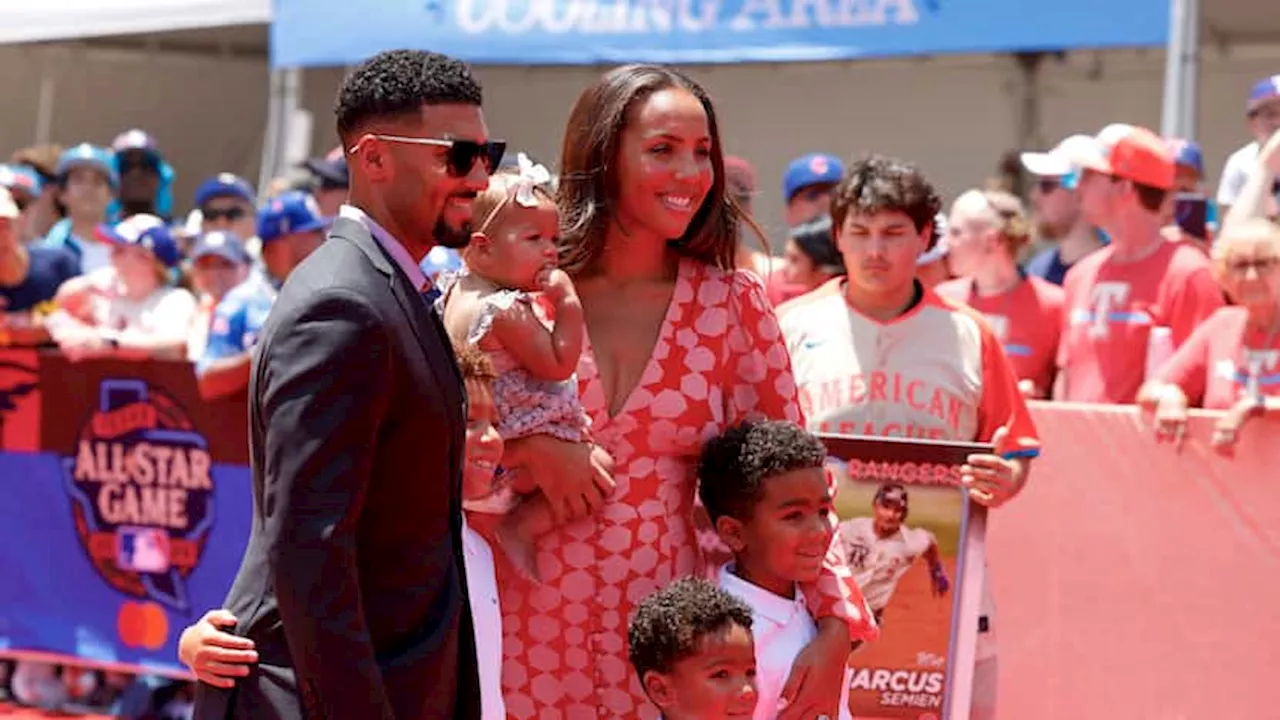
[142,550]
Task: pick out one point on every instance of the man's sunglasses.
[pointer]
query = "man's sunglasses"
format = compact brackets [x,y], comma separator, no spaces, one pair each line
[462,154]
[231,214]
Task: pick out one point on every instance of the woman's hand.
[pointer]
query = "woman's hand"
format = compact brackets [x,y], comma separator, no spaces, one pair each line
[816,683]
[1227,430]
[575,477]
[216,657]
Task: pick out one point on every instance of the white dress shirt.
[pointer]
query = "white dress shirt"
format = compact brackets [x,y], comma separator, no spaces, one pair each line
[486,616]
[781,627]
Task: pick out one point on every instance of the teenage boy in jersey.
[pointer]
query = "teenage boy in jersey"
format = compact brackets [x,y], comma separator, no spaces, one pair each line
[876,353]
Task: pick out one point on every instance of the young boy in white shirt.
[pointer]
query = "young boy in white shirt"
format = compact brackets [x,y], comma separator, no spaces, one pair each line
[764,486]
[218,658]
[691,647]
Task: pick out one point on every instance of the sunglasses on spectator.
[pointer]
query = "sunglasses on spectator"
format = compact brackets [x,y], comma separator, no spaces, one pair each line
[1048,185]
[462,154]
[231,213]
[1262,265]
[137,161]
[331,185]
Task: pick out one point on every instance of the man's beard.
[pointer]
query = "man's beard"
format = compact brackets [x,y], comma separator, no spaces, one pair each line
[452,238]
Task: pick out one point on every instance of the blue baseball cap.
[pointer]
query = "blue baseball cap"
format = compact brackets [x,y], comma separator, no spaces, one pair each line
[1265,91]
[811,169]
[1186,153]
[225,245]
[91,156]
[147,231]
[289,213]
[224,185]
[20,178]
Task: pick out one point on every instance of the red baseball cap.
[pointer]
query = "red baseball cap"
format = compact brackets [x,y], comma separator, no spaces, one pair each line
[1132,153]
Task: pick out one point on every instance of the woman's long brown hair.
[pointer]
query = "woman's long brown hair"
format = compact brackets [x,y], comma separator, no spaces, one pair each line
[588,191]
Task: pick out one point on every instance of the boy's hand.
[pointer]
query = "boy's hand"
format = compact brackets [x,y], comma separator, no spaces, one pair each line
[216,657]
[816,683]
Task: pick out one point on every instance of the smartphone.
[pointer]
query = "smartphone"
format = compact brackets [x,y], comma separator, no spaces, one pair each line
[1192,211]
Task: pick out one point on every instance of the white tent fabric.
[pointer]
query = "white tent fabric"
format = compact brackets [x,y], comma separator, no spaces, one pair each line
[23,22]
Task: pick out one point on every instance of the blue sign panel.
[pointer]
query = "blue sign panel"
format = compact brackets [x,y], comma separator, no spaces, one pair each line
[554,32]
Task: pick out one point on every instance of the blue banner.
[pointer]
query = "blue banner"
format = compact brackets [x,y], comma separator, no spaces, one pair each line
[127,508]
[579,32]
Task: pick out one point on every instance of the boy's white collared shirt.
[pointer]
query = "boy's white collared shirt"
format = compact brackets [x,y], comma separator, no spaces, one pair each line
[781,628]
[486,616]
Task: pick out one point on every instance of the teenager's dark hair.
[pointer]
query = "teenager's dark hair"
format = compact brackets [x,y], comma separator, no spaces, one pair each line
[877,183]
[735,464]
[400,82]
[588,190]
[668,624]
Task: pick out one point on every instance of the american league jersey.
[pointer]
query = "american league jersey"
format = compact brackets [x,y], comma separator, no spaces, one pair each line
[879,563]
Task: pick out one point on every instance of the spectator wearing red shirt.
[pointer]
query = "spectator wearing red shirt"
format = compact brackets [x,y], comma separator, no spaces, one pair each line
[986,231]
[1116,295]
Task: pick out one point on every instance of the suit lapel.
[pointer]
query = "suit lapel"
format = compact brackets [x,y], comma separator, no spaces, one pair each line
[427,328]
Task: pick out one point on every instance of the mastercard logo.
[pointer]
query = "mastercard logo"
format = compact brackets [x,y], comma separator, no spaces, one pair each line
[142,625]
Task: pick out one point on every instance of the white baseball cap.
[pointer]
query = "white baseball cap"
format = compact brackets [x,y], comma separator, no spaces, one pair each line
[8,208]
[1063,159]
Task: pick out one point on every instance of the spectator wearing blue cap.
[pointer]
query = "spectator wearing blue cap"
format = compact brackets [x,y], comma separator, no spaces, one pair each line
[146,179]
[87,183]
[1262,111]
[218,263]
[226,203]
[290,227]
[807,186]
[139,314]
[1192,216]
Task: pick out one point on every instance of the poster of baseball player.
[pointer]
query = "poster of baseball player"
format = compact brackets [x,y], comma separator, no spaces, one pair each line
[903,530]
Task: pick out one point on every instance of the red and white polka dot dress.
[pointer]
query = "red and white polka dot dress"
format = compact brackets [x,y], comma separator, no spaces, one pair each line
[720,356]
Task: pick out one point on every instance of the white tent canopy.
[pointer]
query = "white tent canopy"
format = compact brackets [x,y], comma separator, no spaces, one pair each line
[22,22]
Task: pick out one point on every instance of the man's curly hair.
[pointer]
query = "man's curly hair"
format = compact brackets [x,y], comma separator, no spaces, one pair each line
[735,464]
[668,625]
[400,82]
[876,184]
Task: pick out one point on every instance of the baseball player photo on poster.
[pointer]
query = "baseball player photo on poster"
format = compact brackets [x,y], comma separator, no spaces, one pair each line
[915,545]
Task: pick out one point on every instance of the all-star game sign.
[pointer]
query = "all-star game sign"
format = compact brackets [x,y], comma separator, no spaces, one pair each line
[141,492]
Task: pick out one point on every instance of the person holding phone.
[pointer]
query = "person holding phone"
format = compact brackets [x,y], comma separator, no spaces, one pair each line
[1193,212]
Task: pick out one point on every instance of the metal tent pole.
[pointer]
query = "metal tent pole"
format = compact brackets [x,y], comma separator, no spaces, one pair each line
[1178,110]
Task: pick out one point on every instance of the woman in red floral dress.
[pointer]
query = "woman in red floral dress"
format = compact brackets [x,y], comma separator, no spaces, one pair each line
[679,346]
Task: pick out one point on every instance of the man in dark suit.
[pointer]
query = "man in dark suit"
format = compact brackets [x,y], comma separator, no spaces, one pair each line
[352,587]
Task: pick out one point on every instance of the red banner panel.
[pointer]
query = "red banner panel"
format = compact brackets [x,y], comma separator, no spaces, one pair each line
[1139,580]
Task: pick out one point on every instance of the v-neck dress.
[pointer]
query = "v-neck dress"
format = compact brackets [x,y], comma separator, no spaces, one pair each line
[719,358]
